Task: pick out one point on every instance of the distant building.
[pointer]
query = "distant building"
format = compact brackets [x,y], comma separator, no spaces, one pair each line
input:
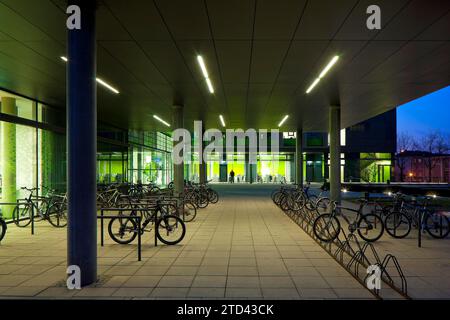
[415,166]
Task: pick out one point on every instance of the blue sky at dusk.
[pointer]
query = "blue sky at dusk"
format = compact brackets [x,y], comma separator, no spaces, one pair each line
[428,113]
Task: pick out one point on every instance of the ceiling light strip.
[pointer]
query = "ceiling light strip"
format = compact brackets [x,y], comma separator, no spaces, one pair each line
[283,121]
[323,73]
[222,121]
[106,85]
[100,81]
[202,65]
[161,120]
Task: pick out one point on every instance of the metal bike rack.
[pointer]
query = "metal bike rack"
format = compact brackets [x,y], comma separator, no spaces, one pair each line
[351,254]
[17,204]
[102,217]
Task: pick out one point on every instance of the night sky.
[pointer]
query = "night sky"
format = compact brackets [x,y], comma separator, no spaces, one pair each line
[428,113]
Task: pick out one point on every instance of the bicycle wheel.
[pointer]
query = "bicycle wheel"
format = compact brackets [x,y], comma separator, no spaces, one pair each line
[2,229]
[213,196]
[276,197]
[170,229]
[370,227]
[22,215]
[326,227]
[202,200]
[437,225]
[57,215]
[189,211]
[397,224]
[122,230]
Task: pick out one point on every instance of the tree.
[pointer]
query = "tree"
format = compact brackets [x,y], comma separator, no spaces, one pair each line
[433,143]
[405,142]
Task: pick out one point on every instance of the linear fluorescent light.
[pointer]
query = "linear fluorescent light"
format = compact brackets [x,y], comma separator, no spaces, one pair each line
[210,86]
[161,120]
[329,66]
[313,85]
[323,73]
[222,121]
[283,121]
[103,83]
[202,64]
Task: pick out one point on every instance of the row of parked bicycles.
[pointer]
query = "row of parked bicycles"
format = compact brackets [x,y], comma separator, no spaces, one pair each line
[158,208]
[369,218]
[49,206]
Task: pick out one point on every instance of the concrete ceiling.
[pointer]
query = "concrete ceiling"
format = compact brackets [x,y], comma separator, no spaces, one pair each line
[261,55]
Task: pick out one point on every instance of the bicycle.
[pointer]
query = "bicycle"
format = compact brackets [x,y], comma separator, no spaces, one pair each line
[51,208]
[327,227]
[404,216]
[170,229]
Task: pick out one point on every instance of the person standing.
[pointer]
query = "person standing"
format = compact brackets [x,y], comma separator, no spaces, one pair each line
[232,176]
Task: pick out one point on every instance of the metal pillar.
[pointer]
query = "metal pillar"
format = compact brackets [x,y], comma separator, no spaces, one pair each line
[8,156]
[299,157]
[335,153]
[82,145]
[178,169]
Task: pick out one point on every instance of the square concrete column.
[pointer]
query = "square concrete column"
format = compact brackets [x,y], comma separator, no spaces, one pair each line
[299,157]
[178,169]
[335,153]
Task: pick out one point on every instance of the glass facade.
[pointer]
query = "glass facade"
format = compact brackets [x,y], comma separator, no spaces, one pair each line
[150,157]
[33,152]
[30,156]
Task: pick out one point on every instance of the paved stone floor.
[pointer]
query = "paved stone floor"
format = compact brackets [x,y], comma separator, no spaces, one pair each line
[242,247]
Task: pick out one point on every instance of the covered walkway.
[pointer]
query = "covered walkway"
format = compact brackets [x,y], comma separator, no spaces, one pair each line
[243,247]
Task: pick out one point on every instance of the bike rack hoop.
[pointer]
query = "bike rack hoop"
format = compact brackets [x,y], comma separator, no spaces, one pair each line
[102,217]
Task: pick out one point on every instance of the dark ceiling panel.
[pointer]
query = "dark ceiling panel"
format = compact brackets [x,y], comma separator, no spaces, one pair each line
[234,59]
[266,61]
[415,18]
[166,56]
[277,20]
[372,56]
[108,27]
[355,26]
[135,60]
[16,66]
[433,63]
[140,18]
[17,27]
[18,52]
[407,55]
[323,18]
[187,20]
[231,19]
[300,59]
[437,31]
[37,15]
